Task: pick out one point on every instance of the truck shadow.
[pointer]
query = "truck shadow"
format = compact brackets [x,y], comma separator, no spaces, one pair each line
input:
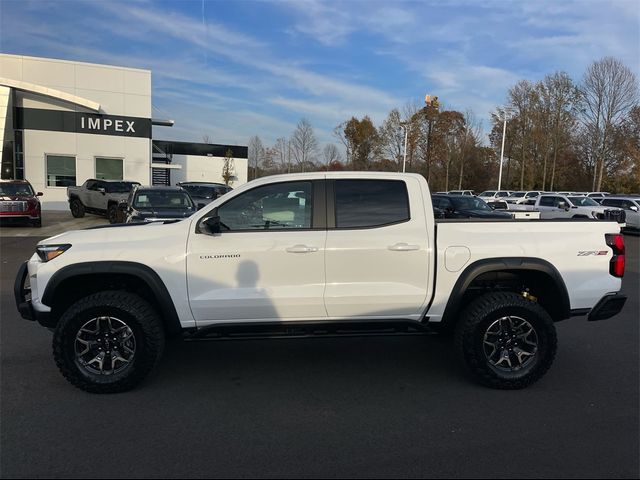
[332,365]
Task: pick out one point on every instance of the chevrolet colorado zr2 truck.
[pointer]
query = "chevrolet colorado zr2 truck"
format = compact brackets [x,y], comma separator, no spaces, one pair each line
[320,254]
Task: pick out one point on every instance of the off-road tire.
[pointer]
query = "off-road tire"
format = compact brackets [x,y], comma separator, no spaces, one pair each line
[112,213]
[470,334]
[130,309]
[77,208]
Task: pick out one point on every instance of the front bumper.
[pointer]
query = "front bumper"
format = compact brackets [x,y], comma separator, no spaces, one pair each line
[22,296]
[607,307]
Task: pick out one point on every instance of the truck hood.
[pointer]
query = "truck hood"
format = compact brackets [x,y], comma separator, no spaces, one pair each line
[112,235]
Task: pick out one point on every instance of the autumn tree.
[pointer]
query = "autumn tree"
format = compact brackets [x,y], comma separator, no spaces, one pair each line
[362,141]
[392,136]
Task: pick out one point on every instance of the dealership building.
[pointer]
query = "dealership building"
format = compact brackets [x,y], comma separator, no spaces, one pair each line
[64,122]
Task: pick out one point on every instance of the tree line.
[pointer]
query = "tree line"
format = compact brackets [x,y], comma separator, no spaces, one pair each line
[560,135]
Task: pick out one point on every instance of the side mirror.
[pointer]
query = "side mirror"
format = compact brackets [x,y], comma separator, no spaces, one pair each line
[39,194]
[102,190]
[210,225]
[634,208]
[562,205]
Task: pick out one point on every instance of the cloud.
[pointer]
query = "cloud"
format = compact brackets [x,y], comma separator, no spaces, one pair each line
[274,62]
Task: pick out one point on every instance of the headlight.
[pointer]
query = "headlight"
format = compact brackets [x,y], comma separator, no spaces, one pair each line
[49,252]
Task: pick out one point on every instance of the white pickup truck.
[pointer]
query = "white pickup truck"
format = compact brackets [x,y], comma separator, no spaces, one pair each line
[320,254]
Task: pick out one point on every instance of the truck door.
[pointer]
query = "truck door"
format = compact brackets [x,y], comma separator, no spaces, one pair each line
[377,248]
[549,207]
[89,196]
[268,261]
[101,196]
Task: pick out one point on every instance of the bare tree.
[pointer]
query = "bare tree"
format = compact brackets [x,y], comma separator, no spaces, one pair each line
[609,91]
[331,154]
[470,138]
[282,154]
[229,168]
[563,97]
[522,96]
[304,145]
[255,155]
[206,138]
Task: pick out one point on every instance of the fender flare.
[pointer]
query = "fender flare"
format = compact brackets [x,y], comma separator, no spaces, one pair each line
[469,274]
[165,305]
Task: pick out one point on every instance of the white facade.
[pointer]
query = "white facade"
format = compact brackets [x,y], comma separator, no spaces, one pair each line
[196,168]
[64,122]
[39,84]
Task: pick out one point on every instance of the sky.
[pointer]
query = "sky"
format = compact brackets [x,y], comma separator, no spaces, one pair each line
[234,69]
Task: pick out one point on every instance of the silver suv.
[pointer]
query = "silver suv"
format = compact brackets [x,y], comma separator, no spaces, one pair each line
[631,206]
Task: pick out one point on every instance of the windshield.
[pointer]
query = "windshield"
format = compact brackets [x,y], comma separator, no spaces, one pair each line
[487,194]
[120,187]
[16,189]
[518,194]
[469,203]
[583,202]
[160,199]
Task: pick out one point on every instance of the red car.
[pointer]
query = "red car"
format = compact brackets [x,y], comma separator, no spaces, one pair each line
[18,201]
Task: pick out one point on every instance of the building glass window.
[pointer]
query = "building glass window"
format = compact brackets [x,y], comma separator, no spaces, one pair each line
[19,156]
[61,171]
[109,168]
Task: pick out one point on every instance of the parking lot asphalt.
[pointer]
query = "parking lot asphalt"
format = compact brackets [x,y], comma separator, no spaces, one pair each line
[346,407]
[53,223]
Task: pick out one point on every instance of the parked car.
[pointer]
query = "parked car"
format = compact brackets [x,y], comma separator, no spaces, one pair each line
[494,195]
[523,197]
[361,254]
[461,192]
[19,202]
[204,193]
[157,204]
[561,206]
[631,206]
[598,196]
[100,197]
[464,206]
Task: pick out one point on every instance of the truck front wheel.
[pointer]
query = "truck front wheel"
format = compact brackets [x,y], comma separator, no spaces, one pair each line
[108,342]
[505,340]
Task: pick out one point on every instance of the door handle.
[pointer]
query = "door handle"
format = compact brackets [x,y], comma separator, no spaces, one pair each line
[403,247]
[302,249]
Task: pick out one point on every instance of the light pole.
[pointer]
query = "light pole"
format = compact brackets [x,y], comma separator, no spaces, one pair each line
[406,127]
[504,114]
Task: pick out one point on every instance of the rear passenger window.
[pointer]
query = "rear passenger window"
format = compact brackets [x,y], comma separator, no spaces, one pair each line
[370,203]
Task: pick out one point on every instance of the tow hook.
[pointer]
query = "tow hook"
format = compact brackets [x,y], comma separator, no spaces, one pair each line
[527,296]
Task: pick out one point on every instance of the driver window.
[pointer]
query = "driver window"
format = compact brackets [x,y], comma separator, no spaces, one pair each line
[281,206]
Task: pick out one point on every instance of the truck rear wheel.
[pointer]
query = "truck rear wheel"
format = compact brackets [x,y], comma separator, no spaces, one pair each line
[77,208]
[108,342]
[505,340]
